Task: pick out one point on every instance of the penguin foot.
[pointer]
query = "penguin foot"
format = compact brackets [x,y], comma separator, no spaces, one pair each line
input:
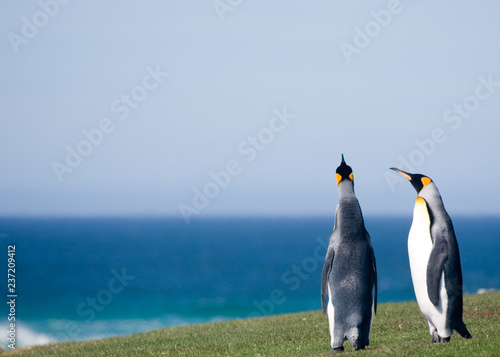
[355,344]
[338,350]
[438,339]
[435,337]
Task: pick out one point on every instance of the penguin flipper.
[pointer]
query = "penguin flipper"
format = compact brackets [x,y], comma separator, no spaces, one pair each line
[327,267]
[462,330]
[374,282]
[374,267]
[435,265]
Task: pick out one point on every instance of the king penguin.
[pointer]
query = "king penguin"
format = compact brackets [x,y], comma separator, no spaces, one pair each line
[349,274]
[435,261]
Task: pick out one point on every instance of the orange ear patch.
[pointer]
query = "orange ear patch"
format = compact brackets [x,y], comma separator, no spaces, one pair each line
[339,178]
[426,181]
[351,177]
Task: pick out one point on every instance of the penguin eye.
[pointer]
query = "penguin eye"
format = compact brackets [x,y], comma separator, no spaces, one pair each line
[339,178]
[425,181]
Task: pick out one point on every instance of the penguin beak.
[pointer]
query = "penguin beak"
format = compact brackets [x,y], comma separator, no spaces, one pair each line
[405,174]
[418,181]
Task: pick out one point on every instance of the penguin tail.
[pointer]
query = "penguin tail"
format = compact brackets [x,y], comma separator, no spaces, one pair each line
[462,331]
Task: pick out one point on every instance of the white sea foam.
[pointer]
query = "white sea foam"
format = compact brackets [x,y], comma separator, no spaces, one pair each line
[25,336]
[483,291]
[65,330]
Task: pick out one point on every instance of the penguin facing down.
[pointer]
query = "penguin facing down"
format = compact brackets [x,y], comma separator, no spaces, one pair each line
[435,261]
[349,274]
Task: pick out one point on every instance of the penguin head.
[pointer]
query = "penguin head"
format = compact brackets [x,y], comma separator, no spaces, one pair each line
[418,181]
[344,172]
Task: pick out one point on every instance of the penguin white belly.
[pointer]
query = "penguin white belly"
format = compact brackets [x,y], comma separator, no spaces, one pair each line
[419,251]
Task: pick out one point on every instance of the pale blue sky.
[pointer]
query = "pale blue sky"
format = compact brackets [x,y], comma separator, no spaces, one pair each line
[364,78]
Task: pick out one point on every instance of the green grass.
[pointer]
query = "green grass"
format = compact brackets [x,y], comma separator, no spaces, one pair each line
[398,329]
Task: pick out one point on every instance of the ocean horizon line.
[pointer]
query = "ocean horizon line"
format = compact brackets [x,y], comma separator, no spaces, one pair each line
[227,215]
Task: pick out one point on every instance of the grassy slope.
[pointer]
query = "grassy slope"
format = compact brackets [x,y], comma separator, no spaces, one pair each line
[398,329]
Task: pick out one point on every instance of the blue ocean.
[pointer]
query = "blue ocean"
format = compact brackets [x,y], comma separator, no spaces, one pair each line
[90,278]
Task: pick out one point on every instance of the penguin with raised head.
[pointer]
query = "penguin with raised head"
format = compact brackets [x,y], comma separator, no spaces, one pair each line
[349,273]
[435,261]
